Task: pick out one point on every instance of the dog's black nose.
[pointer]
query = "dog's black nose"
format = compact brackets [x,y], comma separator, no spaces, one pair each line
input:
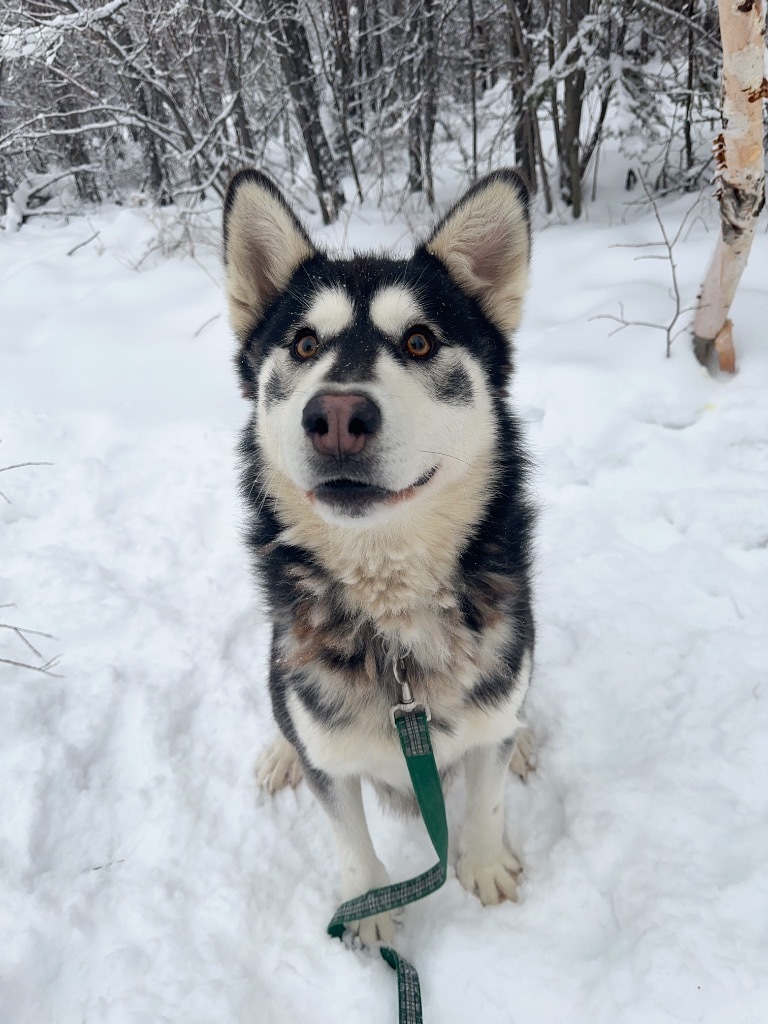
[340,424]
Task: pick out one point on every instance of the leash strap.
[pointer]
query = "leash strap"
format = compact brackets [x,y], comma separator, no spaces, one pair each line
[417,749]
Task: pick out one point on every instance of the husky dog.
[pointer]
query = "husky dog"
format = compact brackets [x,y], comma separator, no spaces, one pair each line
[385,481]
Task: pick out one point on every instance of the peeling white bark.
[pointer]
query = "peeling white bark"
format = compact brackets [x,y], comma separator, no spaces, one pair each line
[740,168]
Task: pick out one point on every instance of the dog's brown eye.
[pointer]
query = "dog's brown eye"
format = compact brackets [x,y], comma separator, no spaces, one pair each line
[418,345]
[306,346]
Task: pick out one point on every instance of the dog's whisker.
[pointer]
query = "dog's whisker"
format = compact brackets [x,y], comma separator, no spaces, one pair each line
[445,455]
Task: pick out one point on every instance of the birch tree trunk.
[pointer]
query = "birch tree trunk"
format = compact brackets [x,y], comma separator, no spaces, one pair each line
[740,173]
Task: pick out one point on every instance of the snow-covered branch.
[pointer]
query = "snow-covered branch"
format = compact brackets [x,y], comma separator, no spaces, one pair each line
[42,38]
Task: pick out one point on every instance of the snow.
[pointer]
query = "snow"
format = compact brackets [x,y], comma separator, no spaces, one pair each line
[143,879]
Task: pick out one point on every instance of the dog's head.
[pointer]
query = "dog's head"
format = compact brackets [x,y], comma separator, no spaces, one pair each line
[375,379]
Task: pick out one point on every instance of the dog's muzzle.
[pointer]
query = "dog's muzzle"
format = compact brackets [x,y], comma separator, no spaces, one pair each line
[341,427]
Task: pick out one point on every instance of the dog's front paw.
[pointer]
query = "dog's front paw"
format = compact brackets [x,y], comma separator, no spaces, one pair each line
[491,882]
[358,880]
[374,930]
[278,766]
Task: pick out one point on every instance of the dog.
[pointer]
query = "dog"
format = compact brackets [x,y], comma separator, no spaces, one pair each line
[384,477]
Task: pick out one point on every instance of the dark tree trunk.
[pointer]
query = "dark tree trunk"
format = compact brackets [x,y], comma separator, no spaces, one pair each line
[688,118]
[521,78]
[148,107]
[232,61]
[344,88]
[78,152]
[6,190]
[525,146]
[295,60]
[429,103]
[420,70]
[569,149]
[472,72]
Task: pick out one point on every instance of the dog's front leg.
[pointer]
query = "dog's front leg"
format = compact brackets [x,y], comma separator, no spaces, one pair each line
[361,869]
[487,867]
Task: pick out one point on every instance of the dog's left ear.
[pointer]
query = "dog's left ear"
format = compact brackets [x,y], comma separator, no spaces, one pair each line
[484,243]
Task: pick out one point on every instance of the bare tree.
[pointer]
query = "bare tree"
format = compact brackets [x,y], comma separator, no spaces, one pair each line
[290,38]
[740,168]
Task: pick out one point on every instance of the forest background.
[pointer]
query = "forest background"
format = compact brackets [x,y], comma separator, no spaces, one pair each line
[161,101]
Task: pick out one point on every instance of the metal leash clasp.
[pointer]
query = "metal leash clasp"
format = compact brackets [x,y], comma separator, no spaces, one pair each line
[407,704]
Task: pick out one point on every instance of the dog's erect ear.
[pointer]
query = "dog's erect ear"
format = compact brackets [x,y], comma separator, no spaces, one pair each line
[264,243]
[484,243]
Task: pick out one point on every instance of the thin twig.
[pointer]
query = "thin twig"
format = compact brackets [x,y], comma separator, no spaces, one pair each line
[27,643]
[20,465]
[80,245]
[103,867]
[202,327]
[45,669]
[669,245]
[23,629]
[23,634]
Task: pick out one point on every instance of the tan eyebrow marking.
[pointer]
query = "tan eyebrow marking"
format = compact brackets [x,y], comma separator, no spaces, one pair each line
[330,312]
[393,309]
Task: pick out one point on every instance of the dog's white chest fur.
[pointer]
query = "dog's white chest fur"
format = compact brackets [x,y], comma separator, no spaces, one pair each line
[402,575]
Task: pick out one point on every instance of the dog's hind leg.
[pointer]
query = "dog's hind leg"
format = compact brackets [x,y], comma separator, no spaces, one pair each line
[278,766]
[487,867]
[523,760]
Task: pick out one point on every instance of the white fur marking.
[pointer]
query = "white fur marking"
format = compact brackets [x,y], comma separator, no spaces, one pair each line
[395,308]
[331,312]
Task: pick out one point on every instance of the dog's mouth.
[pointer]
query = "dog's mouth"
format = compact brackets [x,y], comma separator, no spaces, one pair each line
[355,497]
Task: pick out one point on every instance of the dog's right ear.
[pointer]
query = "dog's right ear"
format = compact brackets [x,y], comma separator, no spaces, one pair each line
[264,243]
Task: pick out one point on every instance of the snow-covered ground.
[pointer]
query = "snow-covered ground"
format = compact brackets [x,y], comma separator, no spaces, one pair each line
[143,879]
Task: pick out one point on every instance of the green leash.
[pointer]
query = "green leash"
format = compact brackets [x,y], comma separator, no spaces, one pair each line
[410,719]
